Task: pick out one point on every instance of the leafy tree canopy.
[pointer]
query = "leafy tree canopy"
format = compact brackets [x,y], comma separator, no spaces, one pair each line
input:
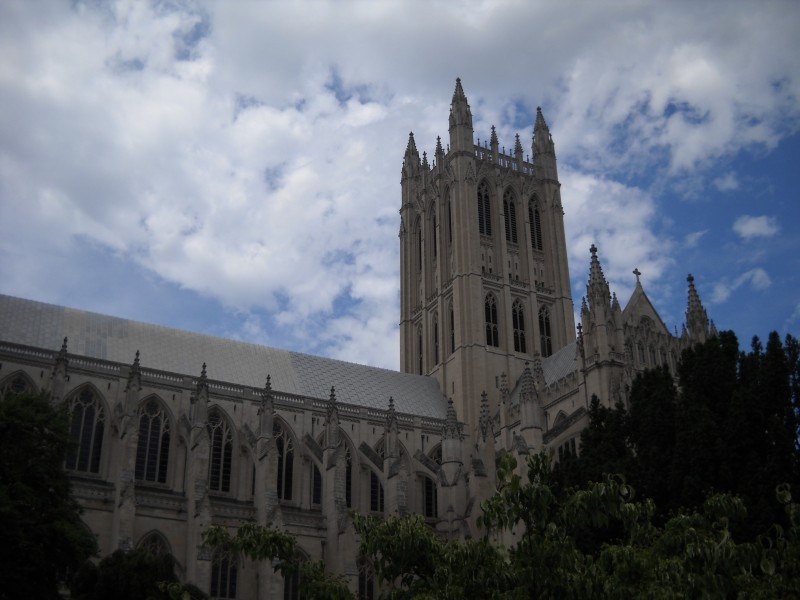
[43,537]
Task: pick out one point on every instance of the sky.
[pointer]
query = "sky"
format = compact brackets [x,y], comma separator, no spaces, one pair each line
[233,168]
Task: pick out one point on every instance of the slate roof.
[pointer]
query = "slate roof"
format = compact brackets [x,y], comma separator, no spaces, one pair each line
[555,367]
[44,326]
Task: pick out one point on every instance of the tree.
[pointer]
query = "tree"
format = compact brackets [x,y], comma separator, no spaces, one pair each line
[43,536]
[264,543]
[731,426]
[135,575]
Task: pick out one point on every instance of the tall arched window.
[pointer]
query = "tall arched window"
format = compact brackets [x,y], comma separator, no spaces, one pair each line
[510,213]
[224,575]
[449,220]
[283,442]
[452,328]
[518,322]
[429,498]
[484,209]
[87,424]
[154,544]
[366,584]
[419,350]
[375,493]
[221,439]
[436,338]
[536,227]
[316,486]
[490,308]
[348,479]
[434,249]
[152,451]
[291,581]
[418,231]
[545,336]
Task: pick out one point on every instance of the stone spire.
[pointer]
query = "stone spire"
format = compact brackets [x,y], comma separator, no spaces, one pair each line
[200,401]
[450,429]
[391,431]
[542,140]
[439,151]
[452,445]
[411,161]
[128,410]
[494,144]
[518,148]
[58,377]
[597,290]
[135,375]
[696,317]
[460,121]
[266,410]
[332,422]
[544,151]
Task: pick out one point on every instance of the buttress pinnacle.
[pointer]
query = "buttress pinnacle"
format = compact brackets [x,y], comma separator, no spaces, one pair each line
[597,290]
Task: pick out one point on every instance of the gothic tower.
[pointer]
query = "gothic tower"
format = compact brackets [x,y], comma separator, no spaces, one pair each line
[484,277]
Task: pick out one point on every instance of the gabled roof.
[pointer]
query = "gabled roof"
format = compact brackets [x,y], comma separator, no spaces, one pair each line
[103,337]
[639,305]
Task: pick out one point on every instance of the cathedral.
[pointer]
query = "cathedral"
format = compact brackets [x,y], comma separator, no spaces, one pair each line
[175,431]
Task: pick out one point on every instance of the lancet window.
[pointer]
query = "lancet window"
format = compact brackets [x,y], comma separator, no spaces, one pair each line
[152,451]
[484,210]
[518,323]
[87,424]
[545,335]
[224,575]
[510,213]
[285,447]
[221,439]
[536,227]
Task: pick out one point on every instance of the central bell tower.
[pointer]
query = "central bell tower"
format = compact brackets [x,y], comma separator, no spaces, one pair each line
[484,285]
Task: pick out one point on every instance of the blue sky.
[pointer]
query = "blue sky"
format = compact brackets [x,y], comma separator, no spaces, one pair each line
[233,168]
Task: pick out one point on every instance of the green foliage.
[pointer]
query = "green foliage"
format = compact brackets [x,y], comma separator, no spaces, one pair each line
[731,427]
[410,561]
[263,543]
[43,537]
[134,575]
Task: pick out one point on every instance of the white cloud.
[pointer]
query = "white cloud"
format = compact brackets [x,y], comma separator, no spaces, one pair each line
[726,182]
[758,279]
[251,153]
[748,226]
[619,220]
[794,317]
[692,239]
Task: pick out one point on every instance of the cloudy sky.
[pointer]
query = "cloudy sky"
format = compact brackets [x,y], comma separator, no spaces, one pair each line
[233,168]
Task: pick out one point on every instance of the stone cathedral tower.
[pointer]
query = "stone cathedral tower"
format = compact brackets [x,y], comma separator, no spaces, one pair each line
[484,277]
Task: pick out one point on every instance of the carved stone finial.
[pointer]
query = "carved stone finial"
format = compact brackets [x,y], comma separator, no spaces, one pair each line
[391,416]
[637,273]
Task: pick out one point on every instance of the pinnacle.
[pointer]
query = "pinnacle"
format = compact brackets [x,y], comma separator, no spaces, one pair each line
[597,289]
[412,146]
[540,122]
[458,94]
